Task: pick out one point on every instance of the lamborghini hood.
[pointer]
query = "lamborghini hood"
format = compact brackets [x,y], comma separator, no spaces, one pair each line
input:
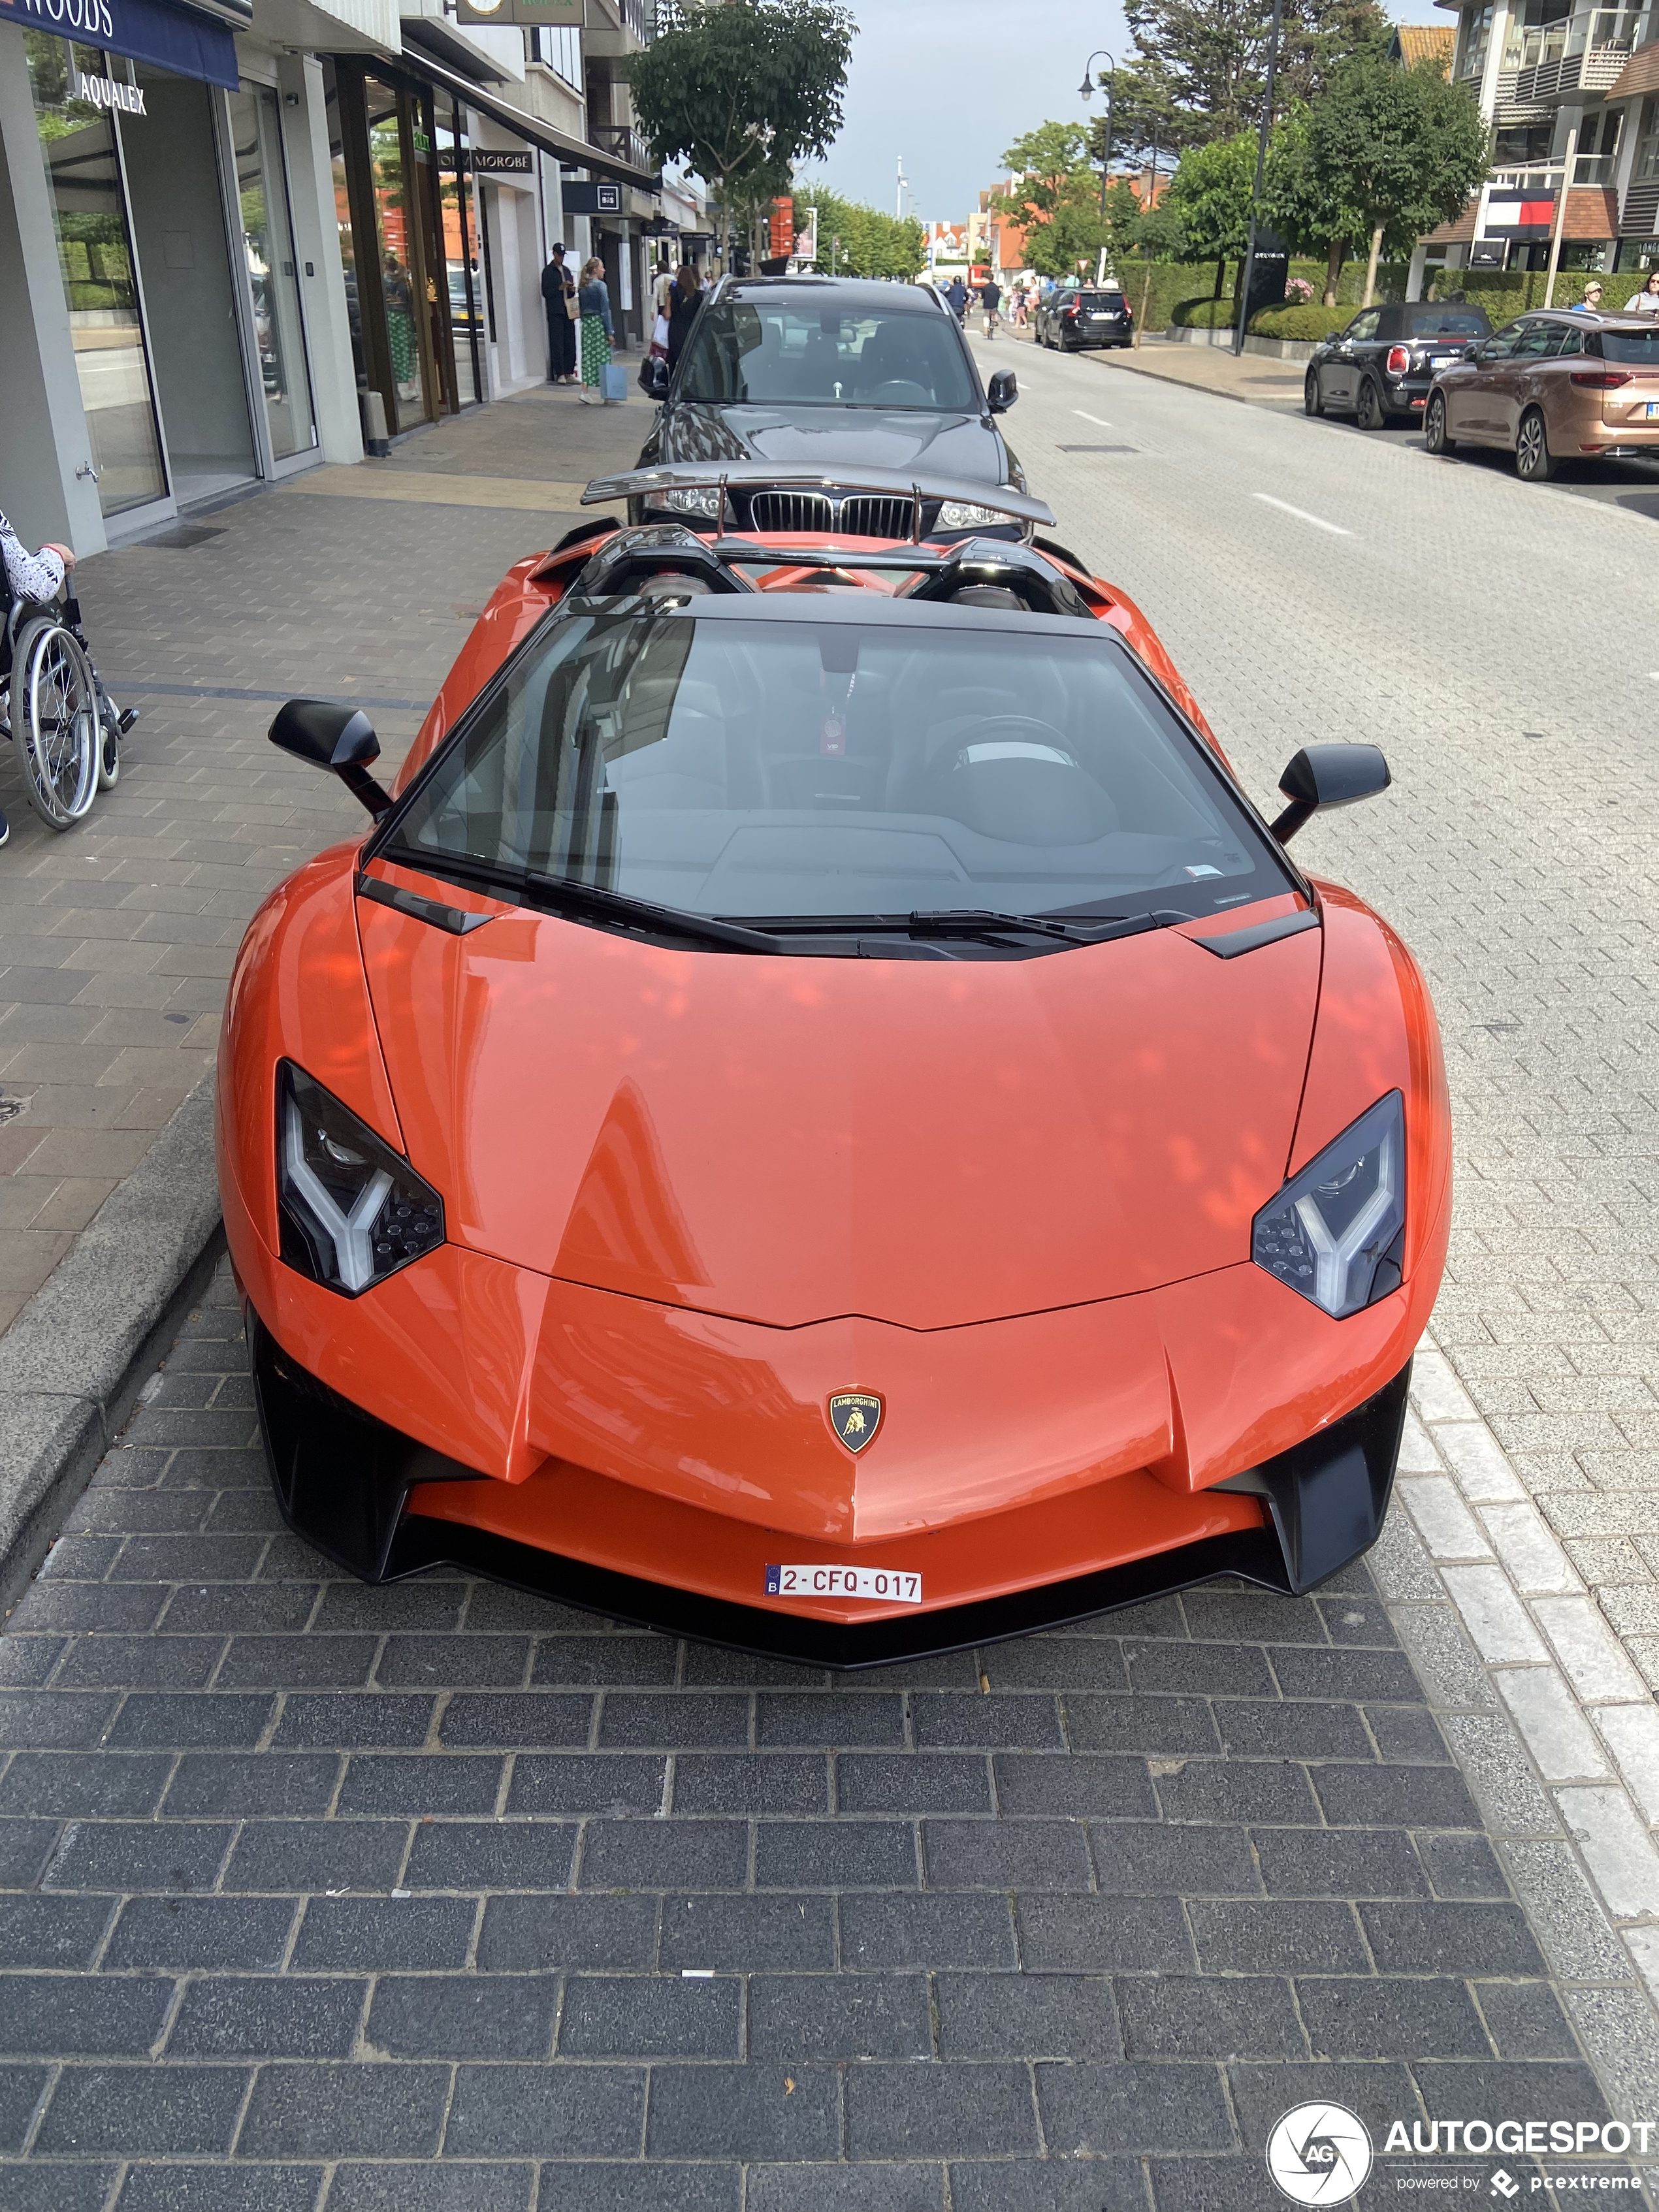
[787,1140]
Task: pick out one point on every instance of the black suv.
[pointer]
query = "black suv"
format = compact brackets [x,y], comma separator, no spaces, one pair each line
[818,372]
[1077,316]
[1384,363]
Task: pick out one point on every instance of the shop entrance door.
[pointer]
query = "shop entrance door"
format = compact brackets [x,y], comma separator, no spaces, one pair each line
[185,268]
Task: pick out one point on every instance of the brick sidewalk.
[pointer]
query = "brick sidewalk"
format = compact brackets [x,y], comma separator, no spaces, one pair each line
[116,938]
[410,1895]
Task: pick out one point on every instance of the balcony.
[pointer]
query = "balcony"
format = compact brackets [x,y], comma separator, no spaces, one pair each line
[622,141]
[1508,110]
[1585,53]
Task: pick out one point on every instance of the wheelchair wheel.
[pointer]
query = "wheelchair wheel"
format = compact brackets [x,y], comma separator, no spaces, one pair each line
[54,720]
[109,757]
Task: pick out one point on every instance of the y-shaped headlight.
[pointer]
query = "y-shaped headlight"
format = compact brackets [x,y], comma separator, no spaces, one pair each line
[352,1210]
[1337,1232]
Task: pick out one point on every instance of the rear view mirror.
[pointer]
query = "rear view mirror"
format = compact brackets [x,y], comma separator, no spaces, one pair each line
[1002,391]
[1328,775]
[334,737]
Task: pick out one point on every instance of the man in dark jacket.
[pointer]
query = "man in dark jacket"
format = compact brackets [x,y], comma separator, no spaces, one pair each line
[990,298]
[558,285]
[957,292]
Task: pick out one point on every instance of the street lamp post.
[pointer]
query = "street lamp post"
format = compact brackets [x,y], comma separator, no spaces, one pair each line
[1255,192]
[1086,90]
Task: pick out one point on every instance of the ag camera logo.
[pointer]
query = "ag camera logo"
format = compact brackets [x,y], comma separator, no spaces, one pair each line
[1319,2155]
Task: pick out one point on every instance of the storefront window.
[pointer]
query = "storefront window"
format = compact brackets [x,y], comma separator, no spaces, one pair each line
[461,268]
[394,219]
[94,251]
[267,242]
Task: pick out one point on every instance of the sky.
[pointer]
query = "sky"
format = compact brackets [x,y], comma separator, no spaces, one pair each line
[949,83]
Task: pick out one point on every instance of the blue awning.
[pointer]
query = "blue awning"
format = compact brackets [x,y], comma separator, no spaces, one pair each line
[172,38]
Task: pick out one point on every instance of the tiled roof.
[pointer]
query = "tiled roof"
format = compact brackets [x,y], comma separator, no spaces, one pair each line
[1425,42]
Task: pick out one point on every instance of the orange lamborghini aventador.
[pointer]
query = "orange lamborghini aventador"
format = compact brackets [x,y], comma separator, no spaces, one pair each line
[818,1115]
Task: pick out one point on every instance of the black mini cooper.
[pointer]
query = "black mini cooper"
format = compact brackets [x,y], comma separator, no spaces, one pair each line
[1380,368]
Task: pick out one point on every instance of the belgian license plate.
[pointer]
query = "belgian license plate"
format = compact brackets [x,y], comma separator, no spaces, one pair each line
[887,1585]
[1652,411]
[1100,318]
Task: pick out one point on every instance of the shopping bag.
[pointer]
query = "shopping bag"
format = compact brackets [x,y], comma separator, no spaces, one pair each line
[659,337]
[613,381]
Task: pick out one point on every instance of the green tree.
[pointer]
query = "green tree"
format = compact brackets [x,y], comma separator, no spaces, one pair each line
[1211,59]
[1054,197]
[872,244]
[1319,37]
[1210,195]
[1385,154]
[741,90]
[1310,201]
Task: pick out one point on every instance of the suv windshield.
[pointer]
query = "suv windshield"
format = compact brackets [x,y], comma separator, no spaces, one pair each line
[1640,349]
[791,354]
[743,768]
[1448,323]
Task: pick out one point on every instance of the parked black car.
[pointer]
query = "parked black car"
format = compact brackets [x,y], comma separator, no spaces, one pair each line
[819,371]
[1074,316]
[1382,366]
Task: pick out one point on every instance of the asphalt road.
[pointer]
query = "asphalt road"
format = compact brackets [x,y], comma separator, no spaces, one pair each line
[440,1899]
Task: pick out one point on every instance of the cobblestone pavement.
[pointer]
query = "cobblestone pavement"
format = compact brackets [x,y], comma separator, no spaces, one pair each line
[116,938]
[428,1896]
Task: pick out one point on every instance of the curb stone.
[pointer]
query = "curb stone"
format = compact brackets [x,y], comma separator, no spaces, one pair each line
[1557,1734]
[74,1361]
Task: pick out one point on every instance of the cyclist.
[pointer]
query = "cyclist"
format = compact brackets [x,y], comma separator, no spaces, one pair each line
[35,577]
[990,298]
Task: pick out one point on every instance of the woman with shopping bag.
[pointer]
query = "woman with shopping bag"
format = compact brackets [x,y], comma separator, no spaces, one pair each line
[685,297]
[594,300]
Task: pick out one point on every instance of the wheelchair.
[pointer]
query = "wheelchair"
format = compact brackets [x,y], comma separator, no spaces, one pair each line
[67,729]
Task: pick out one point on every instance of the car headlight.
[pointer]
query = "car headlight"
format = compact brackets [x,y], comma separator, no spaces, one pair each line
[1336,1233]
[352,1210]
[691,499]
[961,514]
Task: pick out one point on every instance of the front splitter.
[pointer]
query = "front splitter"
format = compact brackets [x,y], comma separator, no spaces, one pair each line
[350,1485]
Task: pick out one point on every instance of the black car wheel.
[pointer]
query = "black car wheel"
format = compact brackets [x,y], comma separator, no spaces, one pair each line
[1370,414]
[1313,399]
[1434,426]
[1533,461]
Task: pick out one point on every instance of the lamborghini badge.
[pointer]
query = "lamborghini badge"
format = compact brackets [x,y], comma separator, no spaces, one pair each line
[855,1416]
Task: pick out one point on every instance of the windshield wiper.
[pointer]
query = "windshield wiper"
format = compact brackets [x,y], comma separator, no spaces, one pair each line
[531,887]
[970,921]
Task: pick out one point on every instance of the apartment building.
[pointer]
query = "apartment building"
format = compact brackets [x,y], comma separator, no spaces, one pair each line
[1572,95]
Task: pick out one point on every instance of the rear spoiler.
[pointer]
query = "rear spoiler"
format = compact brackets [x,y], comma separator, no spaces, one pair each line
[915,485]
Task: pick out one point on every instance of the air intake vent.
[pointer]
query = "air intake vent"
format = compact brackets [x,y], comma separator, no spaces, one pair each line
[790,511]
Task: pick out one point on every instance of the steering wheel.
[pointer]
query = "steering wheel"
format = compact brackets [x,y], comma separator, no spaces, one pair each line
[902,392]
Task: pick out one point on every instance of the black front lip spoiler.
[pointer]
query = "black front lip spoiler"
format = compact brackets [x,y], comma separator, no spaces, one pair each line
[342,1481]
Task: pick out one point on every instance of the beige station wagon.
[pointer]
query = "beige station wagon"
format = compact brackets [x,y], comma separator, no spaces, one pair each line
[1553,387]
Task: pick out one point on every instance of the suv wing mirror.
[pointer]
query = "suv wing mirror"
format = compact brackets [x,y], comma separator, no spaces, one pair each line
[654,377]
[1328,775]
[337,738]
[1002,391]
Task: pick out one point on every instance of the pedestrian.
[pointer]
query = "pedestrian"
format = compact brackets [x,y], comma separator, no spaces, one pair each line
[990,298]
[685,297]
[594,300]
[957,292]
[559,297]
[1646,301]
[1591,302]
[34,577]
[661,285]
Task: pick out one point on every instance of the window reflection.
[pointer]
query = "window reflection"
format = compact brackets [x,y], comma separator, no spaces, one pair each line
[268,241]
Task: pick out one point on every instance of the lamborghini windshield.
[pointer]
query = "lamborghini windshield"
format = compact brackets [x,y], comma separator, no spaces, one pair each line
[743,766]
[784,353]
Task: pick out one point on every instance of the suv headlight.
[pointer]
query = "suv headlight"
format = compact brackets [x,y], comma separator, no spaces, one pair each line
[352,1210]
[1336,1233]
[961,514]
[690,499]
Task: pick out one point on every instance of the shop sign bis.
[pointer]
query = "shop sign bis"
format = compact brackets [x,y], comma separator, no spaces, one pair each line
[110,92]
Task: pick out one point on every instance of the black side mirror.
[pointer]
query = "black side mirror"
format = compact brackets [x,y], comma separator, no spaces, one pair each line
[331,736]
[1002,391]
[1328,775]
[654,377]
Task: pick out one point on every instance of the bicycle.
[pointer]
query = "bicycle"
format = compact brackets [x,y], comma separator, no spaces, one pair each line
[67,728]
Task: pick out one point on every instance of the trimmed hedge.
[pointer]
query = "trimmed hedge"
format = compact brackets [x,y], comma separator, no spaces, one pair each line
[1309,323]
[1203,314]
[1506,293]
